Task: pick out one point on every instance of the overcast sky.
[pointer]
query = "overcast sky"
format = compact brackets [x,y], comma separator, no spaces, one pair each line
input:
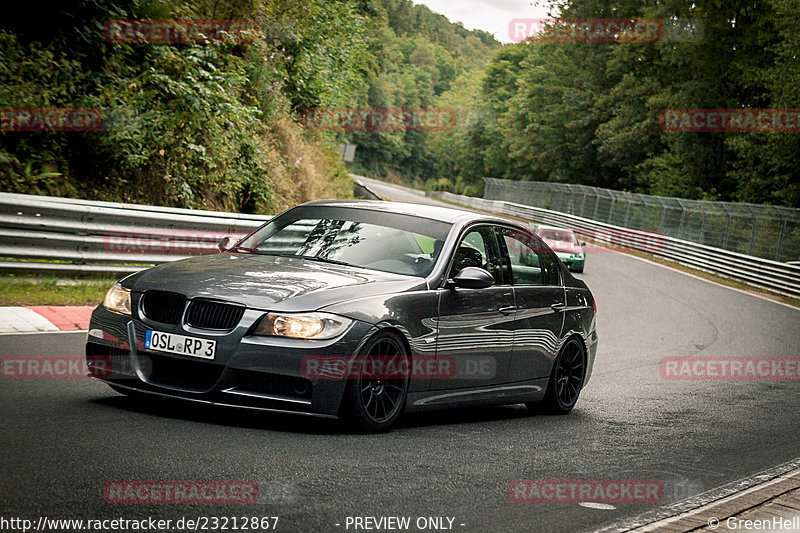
[488,15]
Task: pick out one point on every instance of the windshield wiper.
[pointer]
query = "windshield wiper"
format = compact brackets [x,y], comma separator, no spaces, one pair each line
[309,257]
[244,249]
[322,260]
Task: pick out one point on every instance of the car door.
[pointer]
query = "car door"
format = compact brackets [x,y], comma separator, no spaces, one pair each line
[476,325]
[540,303]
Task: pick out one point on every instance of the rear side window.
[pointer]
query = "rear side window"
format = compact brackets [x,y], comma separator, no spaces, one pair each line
[552,272]
[530,262]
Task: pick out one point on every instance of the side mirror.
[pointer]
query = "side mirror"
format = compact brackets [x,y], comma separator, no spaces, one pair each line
[471,278]
[226,243]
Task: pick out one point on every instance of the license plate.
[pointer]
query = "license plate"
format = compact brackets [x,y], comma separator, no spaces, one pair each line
[191,346]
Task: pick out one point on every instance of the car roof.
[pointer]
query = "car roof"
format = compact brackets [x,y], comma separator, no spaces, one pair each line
[553,228]
[433,212]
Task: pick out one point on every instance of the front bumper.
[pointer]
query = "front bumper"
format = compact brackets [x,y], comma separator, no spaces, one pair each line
[573,263]
[247,371]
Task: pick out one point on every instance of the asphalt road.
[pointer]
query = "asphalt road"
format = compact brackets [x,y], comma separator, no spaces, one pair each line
[61,440]
[397,193]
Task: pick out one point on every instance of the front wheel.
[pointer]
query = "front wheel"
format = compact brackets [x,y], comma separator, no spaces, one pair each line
[372,403]
[566,381]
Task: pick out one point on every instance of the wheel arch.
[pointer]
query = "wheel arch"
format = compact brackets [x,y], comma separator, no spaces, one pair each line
[584,350]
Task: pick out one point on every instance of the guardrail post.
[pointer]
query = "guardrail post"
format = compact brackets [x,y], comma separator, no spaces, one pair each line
[644,216]
[627,214]
[703,229]
[753,235]
[683,218]
[583,204]
[727,227]
[780,240]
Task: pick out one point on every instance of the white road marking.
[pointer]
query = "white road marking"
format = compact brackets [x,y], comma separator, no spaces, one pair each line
[756,295]
[23,320]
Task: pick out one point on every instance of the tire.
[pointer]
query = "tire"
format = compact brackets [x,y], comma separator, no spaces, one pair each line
[373,405]
[566,381]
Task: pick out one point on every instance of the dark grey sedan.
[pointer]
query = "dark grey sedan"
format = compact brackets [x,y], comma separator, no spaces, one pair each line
[355,309]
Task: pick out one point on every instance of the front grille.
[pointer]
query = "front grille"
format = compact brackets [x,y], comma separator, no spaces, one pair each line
[192,375]
[263,383]
[109,358]
[164,307]
[120,361]
[206,314]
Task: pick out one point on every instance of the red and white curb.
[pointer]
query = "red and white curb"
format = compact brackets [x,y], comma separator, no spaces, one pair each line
[44,318]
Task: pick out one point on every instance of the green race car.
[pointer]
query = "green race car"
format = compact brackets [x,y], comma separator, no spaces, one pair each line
[565,245]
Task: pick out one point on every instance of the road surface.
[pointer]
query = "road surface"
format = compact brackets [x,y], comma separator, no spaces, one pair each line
[62,440]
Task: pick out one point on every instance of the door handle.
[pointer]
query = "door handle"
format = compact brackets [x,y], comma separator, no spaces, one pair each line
[558,307]
[507,310]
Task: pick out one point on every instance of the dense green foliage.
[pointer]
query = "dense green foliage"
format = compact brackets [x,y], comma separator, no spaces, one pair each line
[220,124]
[193,124]
[588,112]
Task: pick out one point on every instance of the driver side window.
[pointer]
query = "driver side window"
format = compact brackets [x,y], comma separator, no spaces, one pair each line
[479,249]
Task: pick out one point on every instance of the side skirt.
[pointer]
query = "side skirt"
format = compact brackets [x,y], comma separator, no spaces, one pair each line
[523,391]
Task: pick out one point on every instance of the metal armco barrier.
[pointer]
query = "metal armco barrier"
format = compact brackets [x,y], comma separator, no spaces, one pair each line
[46,234]
[65,235]
[755,271]
[767,231]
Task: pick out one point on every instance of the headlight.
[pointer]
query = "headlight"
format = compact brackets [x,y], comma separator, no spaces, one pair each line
[118,300]
[318,326]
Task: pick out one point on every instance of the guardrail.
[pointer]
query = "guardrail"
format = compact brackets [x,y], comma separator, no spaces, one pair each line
[767,231]
[51,234]
[65,235]
[47,234]
[764,273]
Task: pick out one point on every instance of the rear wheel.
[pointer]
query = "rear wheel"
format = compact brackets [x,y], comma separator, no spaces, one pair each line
[566,381]
[373,403]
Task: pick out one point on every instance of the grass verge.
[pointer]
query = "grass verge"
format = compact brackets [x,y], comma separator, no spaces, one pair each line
[18,289]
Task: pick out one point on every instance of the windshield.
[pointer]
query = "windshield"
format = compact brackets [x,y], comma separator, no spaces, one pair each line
[559,236]
[387,242]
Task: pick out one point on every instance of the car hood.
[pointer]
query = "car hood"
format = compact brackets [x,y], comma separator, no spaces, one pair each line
[563,247]
[269,282]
